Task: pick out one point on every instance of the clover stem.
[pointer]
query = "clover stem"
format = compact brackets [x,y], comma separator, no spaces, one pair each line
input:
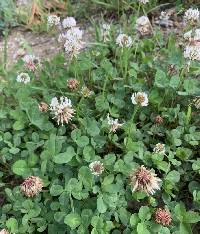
[131,121]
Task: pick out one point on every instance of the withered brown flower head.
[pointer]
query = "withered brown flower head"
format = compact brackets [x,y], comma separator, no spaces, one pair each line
[144,180]
[32,186]
[159,119]
[4,231]
[43,107]
[171,69]
[73,84]
[163,216]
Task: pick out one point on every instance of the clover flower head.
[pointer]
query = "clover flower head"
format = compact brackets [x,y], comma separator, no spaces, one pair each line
[74,34]
[73,84]
[43,107]
[143,1]
[113,123]
[32,186]
[73,47]
[69,22]
[163,217]
[144,180]
[159,148]
[73,43]
[23,78]
[124,40]
[192,52]
[140,98]
[62,110]
[143,25]
[53,20]
[191,16]
[31,62]
[4,231]
[192,35]
[96,168]
[159,119]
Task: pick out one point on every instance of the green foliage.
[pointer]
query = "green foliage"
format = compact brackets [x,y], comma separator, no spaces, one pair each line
[74,200]
[7,14]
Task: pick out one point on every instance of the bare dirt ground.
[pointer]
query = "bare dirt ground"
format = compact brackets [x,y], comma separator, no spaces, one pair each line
[20,41]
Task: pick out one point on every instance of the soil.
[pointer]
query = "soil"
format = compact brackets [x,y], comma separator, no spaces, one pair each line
[42,45]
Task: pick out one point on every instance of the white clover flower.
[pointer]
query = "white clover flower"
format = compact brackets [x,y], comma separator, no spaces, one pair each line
[105,32]
[73,47]
[192,52]
[140,98]
[124,40]
[23,78]
[114,124]
[192,35]
[96,168]
[143,1]
[143,25]
[191,16]
[73,43]
[159,148]
[31,62]
[144,180]
[74,33]
[188,35]
[69,22]
[62,110]
[53,20]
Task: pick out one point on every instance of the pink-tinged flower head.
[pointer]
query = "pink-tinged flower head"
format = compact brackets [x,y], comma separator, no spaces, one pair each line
[144,180]
[4,231]
[159,119]
[73,84]
[31,62]
[62,109]
[163,217]
[32,186]
[43,107]
[96,168]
